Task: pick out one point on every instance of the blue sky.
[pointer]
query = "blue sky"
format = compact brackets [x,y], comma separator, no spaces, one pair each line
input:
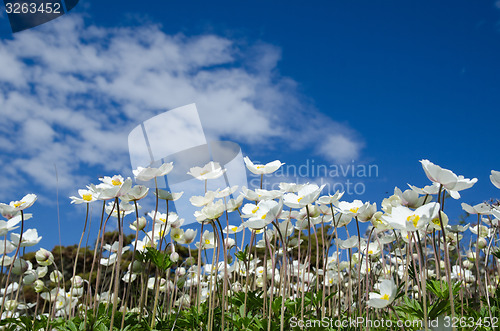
[381,83]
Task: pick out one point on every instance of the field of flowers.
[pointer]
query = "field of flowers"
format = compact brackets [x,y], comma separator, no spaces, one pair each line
[281,267]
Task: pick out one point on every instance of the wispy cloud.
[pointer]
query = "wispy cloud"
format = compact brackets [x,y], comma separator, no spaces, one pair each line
[70,93]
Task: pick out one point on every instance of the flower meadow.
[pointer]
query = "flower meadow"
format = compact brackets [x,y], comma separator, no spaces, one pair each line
[281,266]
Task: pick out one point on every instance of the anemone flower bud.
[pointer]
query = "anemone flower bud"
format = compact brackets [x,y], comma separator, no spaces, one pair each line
[139,225]
[55,276]
[19,267]
[482,243]
[137,267]
[30,277]
[174,257]
[181,271]
[39,286]
[77,281]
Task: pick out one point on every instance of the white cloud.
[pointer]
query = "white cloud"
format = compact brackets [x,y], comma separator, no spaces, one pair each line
[70,94]
[340,147]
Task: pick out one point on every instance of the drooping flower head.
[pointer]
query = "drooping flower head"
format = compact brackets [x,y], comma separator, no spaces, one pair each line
[495,178]
[451,182]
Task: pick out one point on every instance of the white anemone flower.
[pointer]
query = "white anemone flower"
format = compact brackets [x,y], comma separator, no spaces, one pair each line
[136,193]
[200,201]
[331,199]
[139,224]
[6,247]
[350,242]
[461,274]
[495,178]
[290,187]
[114,247]
[305,196]
[232,229]
[226,192]
[262,169]
[249,210]
[372,248]
[177,234]
[428,189]
[211,170]
[451,182]
[436,221]
[163,218]
[481,231]
[388,291]
[268,194]
[481,208]
[207,240]
[411,198]
[170,196]
[234,204]
[349,208]
[86,196]
[125,208]
[268,211]
[403,218]
[30,238]
[189,236]
[108,261]
[146,174]
[10,225]
[27,201]
[14,207]
[213,210]
[111,187]
[44,257]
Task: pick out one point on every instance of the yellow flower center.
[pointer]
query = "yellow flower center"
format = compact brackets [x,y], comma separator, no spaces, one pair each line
[255,210]
[370,252]
[385,297]
[116,182]
[331,281]
[234,228]
[87,197]
[207,241]
[298,200]
[19,204]
[263,217]
[177,236]
[436,221]
[354,210]
[203,173]
[260,166]
[413,219]
[163,220]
